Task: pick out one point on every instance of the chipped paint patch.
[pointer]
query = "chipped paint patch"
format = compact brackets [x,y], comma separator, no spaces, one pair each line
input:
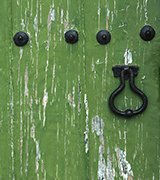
[124,166]
[53,15]
[35,26]
[22,24]
[128,57]
[97,125]
[110,169]
[71,98]
[102,168]
[105,172]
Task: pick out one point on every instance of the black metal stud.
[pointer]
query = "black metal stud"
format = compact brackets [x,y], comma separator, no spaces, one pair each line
[20,38]
[147,33]
[71,36]
[103,37]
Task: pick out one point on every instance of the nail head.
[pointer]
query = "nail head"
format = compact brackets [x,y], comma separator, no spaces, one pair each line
[103,37]
[20,38]
[147,33]
[71,36]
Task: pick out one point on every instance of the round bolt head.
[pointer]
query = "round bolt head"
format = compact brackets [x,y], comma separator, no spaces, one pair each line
[147,33]
[103,37]
[20,38]
[129,113]
[71,36]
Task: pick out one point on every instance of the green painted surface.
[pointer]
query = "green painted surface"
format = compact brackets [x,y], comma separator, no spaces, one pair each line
[43,112]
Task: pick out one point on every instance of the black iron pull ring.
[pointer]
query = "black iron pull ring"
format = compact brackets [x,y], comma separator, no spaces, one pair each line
[124,72]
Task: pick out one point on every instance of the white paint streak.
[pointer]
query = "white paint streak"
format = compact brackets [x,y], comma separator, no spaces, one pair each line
[112,18]
[60,35]
[22,24]
[73,92]
[99,13]
[128,57]
[61,16]
[44,103]
[39,110]
[106,59]
[45,93]
[86,138]
[79,96]
[115,10]
[107,18]
[38,156]
[21,123]
[21,53]
[54,75]
[51,17]
[36,100]
[36,27]
[11,118]
[137,6]
[42,166]
[56,171]
[40,14]
[49,20]
[146,12]
[26,83]
[124,166]
[66,21]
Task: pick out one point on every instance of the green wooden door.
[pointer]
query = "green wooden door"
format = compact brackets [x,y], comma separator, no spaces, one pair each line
[55,119]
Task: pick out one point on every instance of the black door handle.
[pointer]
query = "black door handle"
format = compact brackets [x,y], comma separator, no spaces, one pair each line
[127,72]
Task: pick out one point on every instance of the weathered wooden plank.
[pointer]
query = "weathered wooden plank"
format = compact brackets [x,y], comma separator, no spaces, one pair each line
[5,49]
[43,80]
[124,20]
